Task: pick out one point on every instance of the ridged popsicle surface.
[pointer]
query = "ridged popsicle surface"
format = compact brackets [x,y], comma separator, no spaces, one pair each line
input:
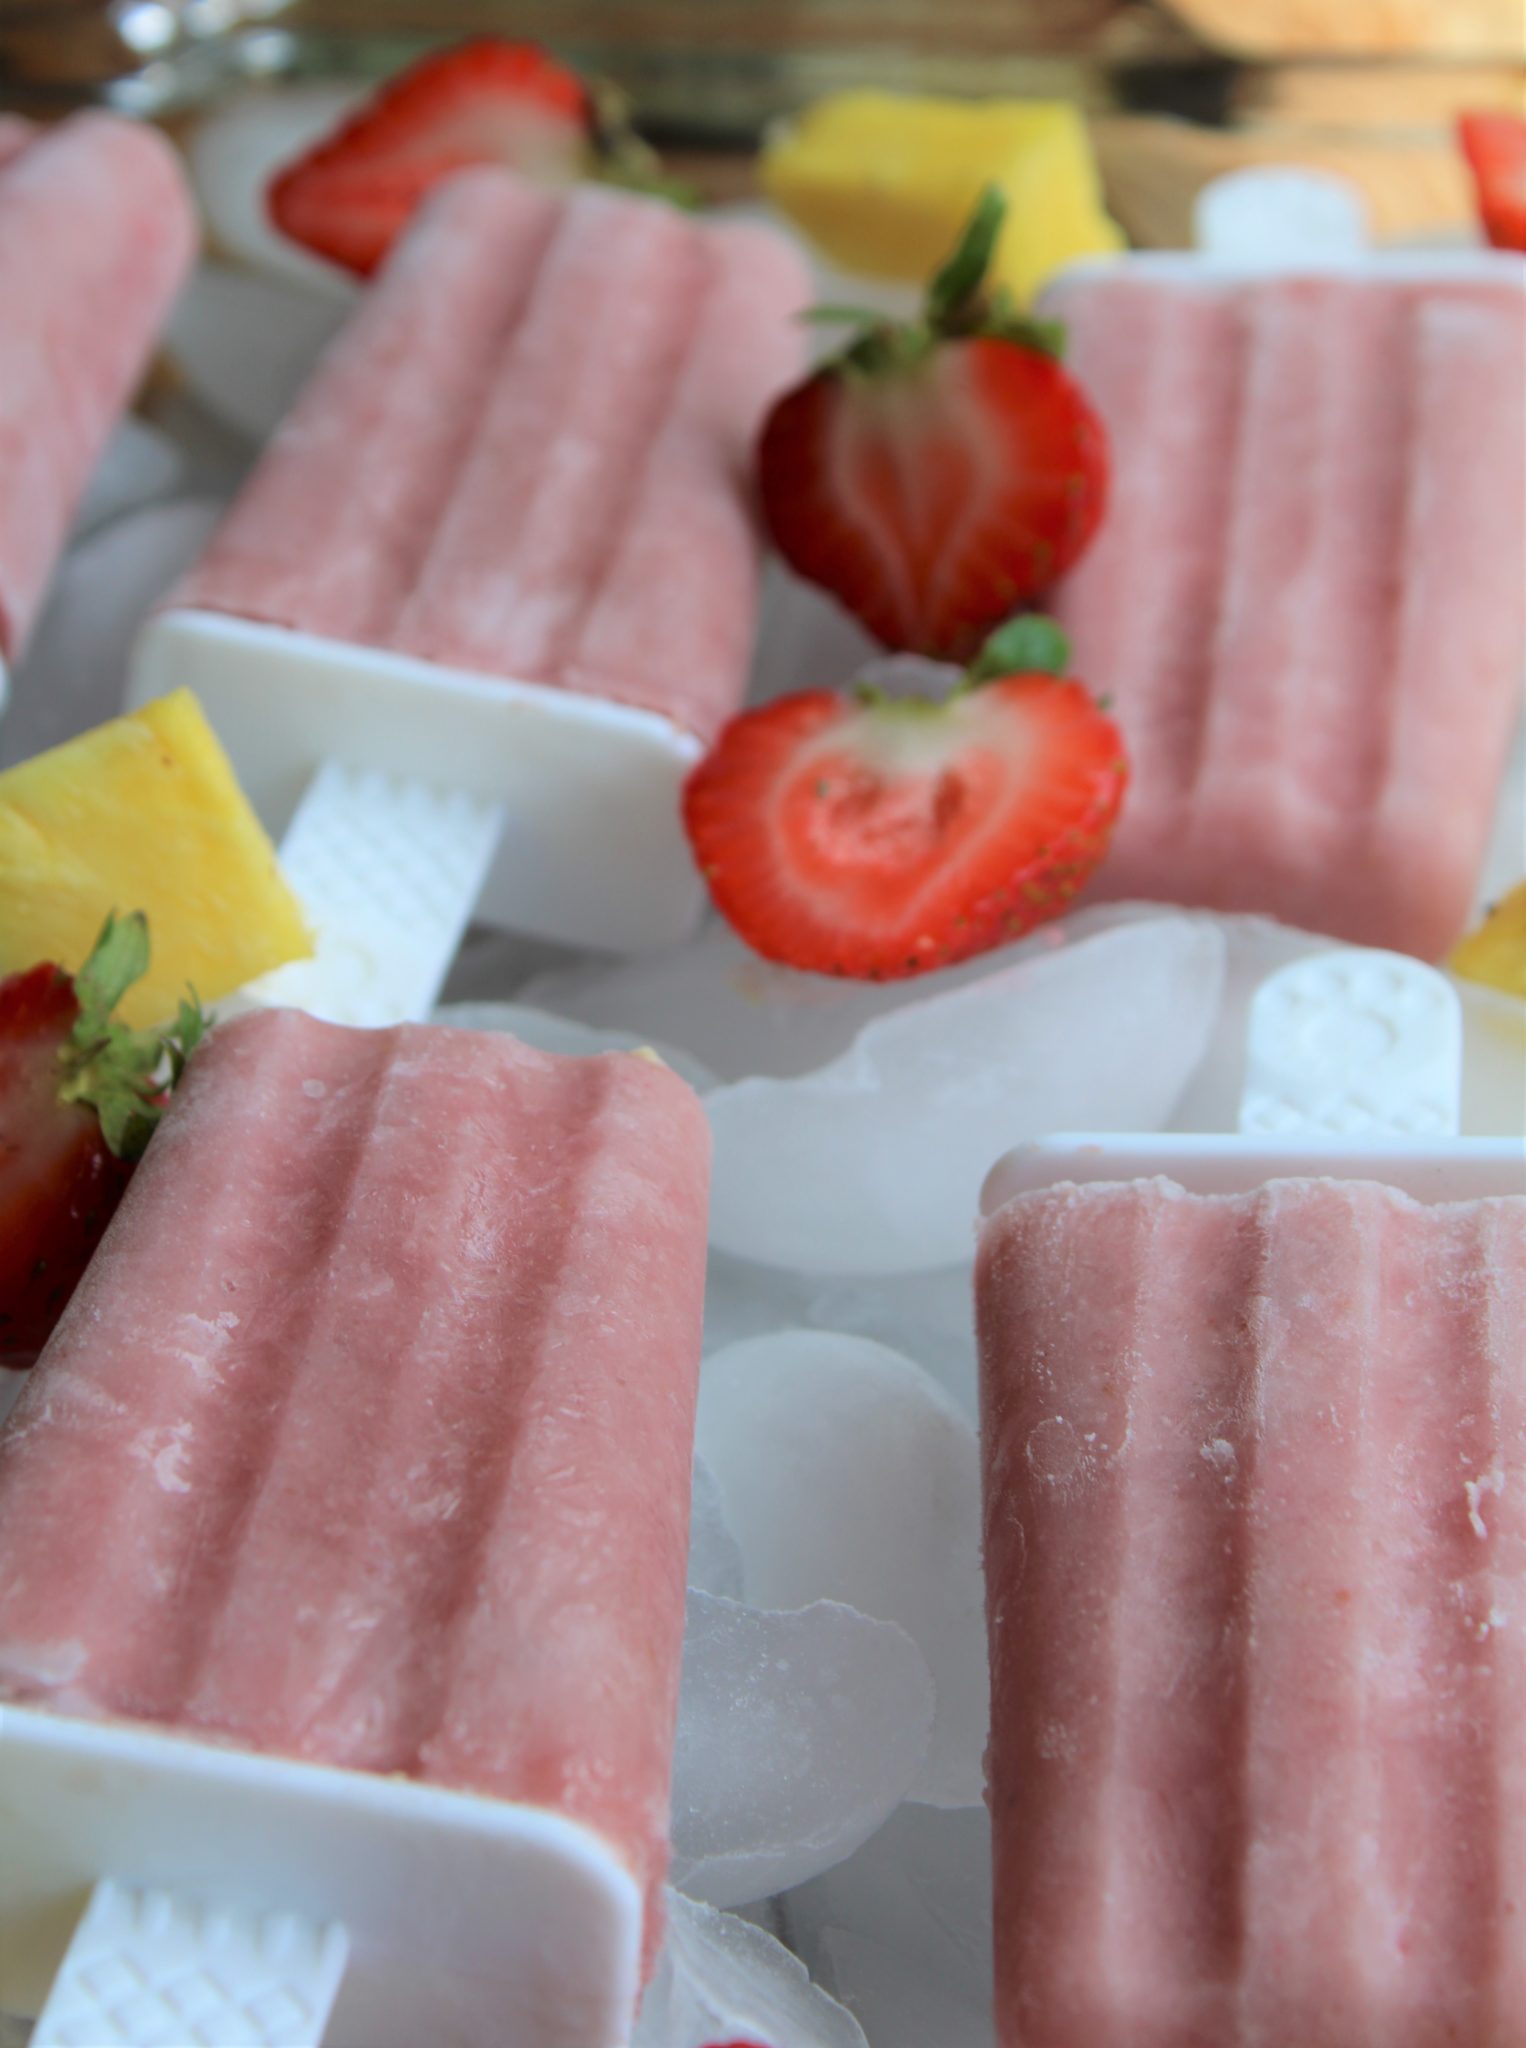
[1308,600]
[367,1437]
[1255,1530]
[528,455]
[97,233]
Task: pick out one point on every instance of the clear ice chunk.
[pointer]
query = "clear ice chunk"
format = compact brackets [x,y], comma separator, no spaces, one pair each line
[874,1162]
[798,1734]
[721,1982]
[846,1473]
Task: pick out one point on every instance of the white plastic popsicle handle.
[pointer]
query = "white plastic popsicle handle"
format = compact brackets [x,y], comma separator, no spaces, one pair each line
[388,871]
[147,1970]
[1353,1071]
[1351,1044]
[1276,216]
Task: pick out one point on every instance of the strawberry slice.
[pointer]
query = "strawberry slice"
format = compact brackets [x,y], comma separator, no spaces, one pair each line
[936,476]
[79,1097]
[482,102]
[1495,146]
[878,837]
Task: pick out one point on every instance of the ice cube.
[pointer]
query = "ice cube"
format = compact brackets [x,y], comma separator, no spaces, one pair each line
[550,1033]
[846,1473]
[715,1557]
[797,1734]
[139,465]
[902,1929]
[806,639]
[744,1300]
[490,965]
[742,1015]
[1254,948]
[929,1317]
[874,1162]
[75,670]
[246,344]
[900,2004]
[721,1981]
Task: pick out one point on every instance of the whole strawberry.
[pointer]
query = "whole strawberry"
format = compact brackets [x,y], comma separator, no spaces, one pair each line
[877,837]
[938,475]
[79,1097]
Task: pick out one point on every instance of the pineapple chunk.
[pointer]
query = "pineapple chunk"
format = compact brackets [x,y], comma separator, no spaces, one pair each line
[143,813]
[884,182]
[1495,953]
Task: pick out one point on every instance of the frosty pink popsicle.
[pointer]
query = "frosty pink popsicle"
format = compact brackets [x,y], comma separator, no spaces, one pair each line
[518,484]
[367,1438]
[96,236]
[1307,600]
[1256,1561]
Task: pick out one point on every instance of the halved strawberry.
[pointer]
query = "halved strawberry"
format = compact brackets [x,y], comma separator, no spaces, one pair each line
[483,102]
[1495,146]
[879,837]
[79,1097]
[937,476]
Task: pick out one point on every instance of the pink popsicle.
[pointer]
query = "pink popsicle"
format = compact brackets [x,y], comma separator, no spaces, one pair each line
[1256,1574]
[1308,600]
[96,235]
[15,133]
[528,455]
[367,1438]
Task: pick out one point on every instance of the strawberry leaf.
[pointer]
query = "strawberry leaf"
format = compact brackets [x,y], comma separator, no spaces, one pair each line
[622,158]
[190,1029]
[856,316]
[1027,645]
[119,958]
[955,292]
[116,1071]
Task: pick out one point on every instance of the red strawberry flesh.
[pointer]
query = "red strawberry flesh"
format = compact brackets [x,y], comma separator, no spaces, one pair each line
[1495,146]
[935,499]
[483,102]
[59,1184]
[883,839]
[939,473]
[80,1094]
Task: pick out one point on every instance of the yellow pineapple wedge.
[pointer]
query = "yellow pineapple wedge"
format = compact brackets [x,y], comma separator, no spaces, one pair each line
[884,183]
[143,813]
[1495,953]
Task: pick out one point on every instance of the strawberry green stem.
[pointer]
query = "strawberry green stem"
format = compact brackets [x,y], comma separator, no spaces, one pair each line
[956,292]
[1028,645]
[957,307]
[122,1074]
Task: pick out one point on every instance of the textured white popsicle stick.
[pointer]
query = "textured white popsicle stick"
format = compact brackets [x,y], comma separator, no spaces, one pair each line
[1353,1072]
[147,1970]
[389,872]
[1273,216]
[1350,1043]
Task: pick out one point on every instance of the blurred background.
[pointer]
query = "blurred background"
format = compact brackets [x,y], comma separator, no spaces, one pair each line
[1174,92]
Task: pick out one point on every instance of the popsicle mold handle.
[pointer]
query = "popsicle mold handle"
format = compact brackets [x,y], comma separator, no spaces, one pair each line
[148,1970]
[1277,215]
[389,871]
[1353,1043]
